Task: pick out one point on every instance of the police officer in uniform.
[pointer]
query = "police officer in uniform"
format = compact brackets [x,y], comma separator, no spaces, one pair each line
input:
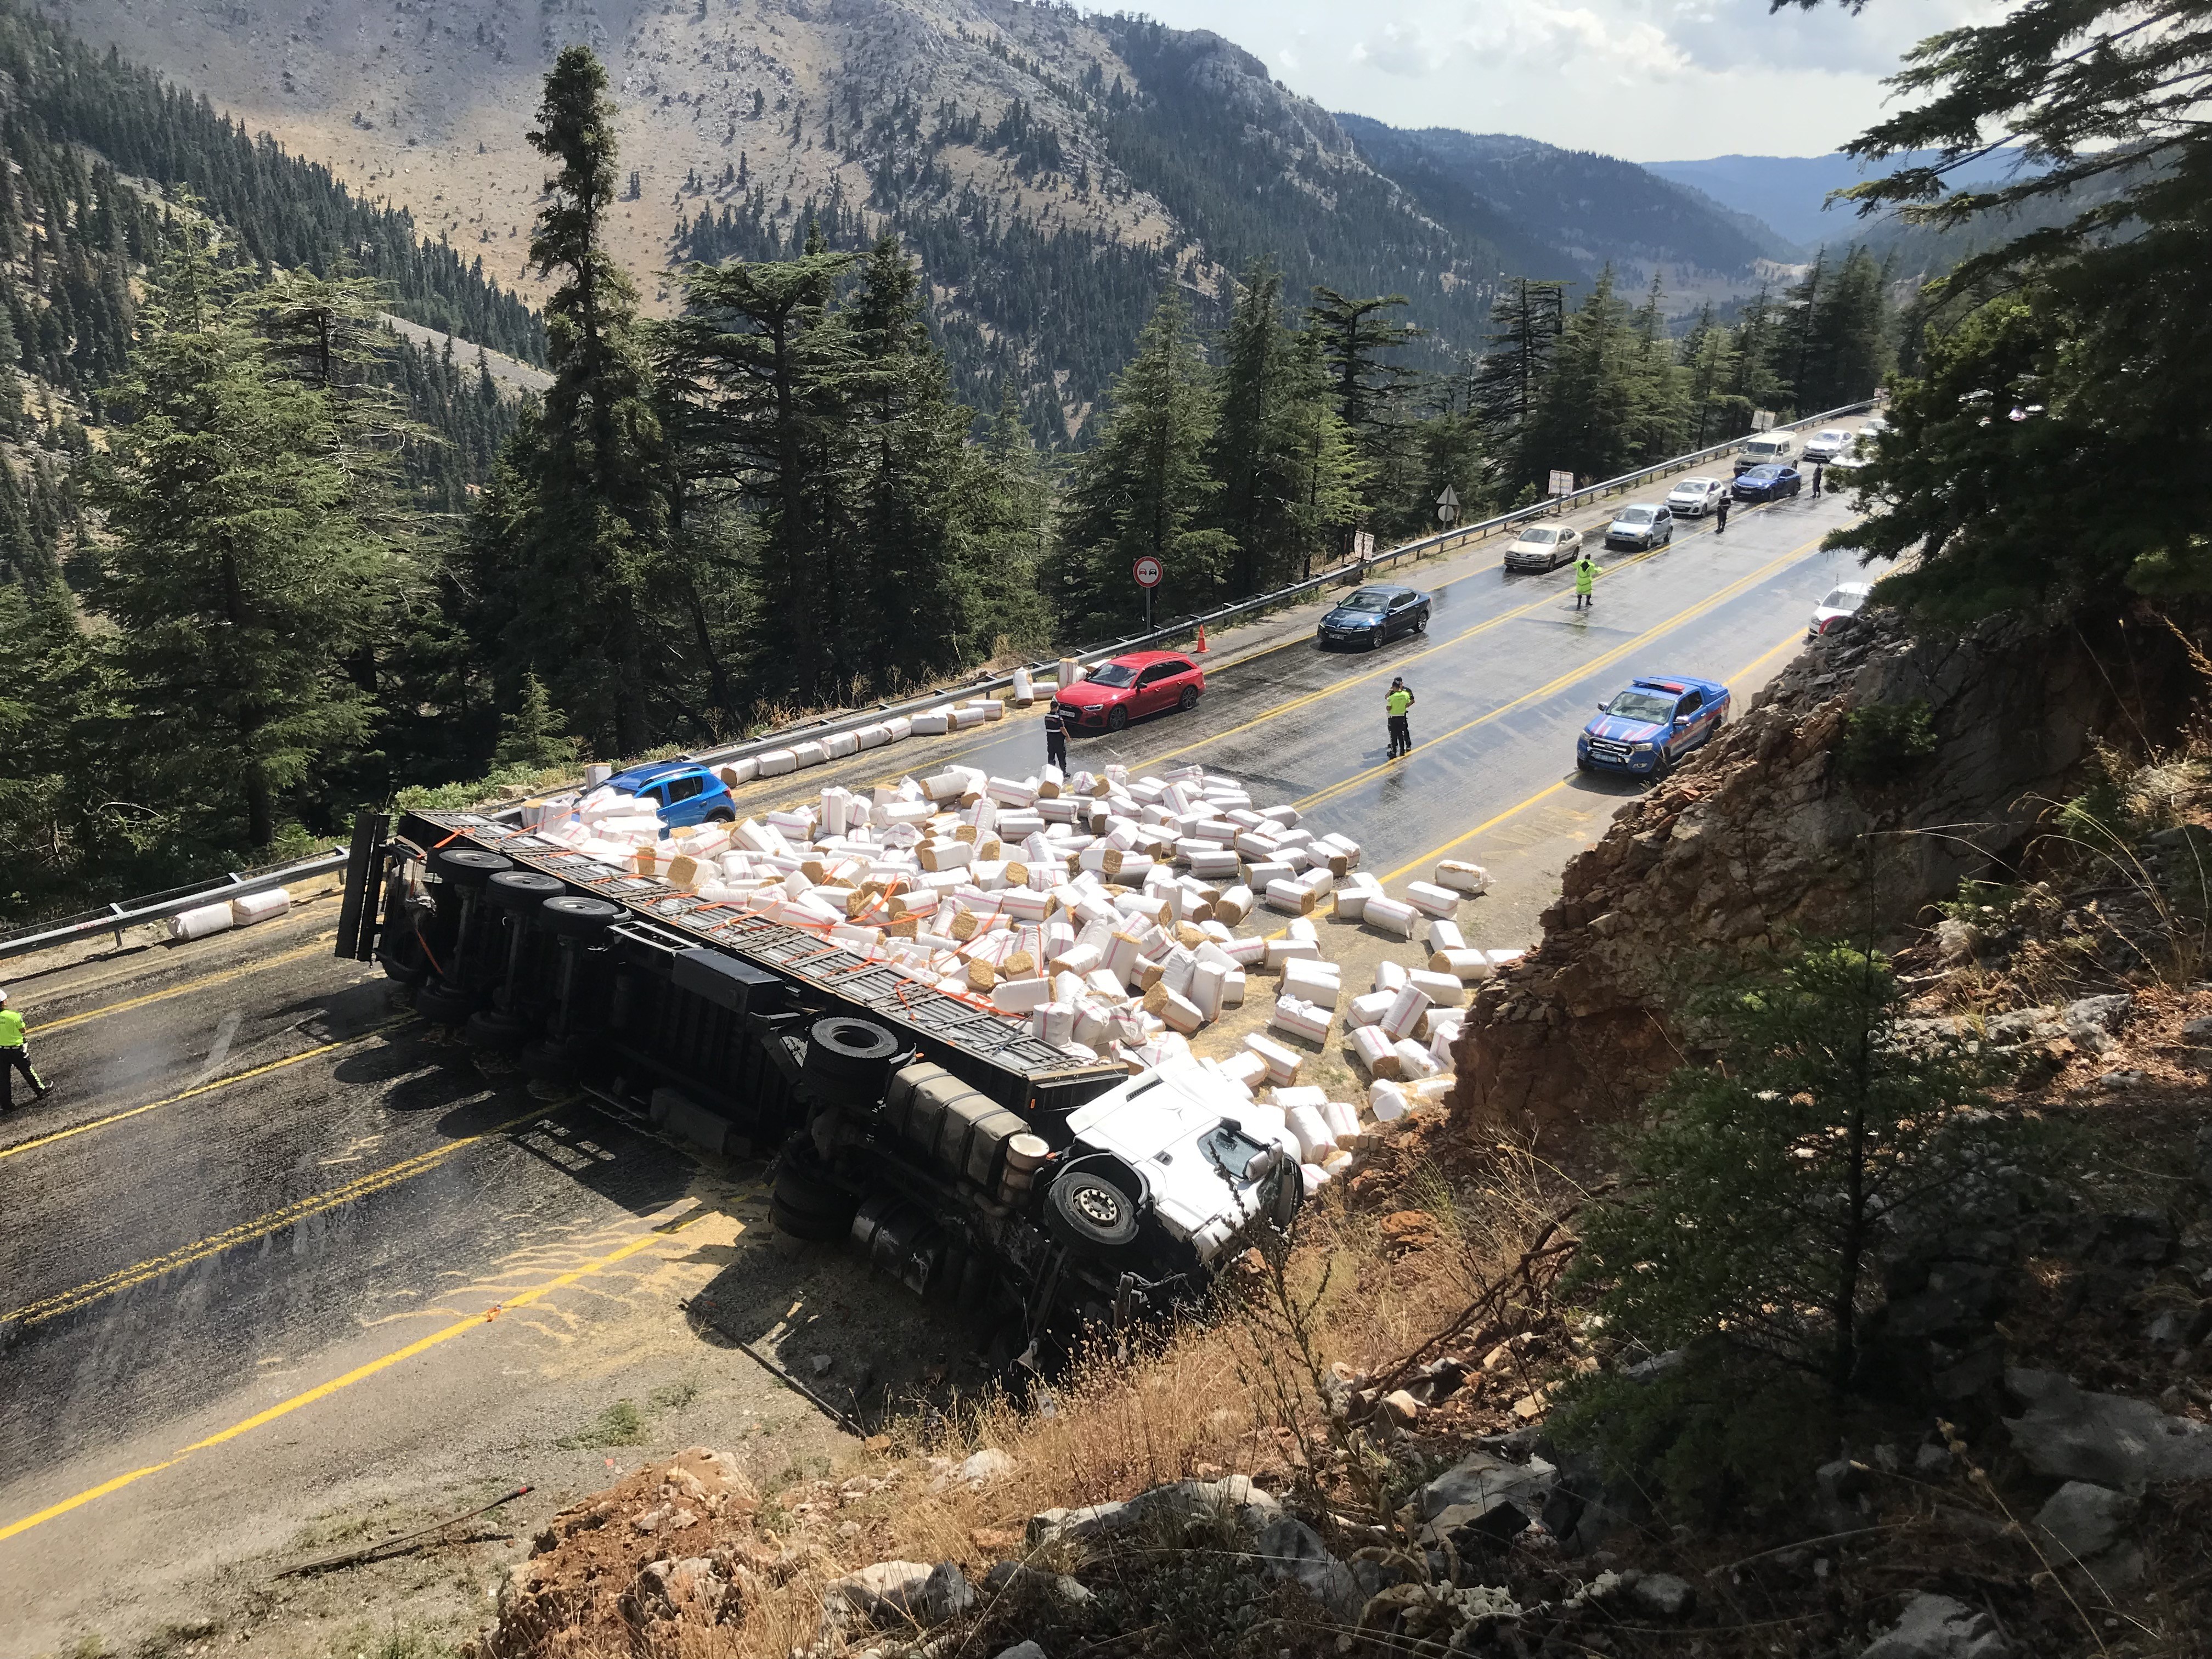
[1585,579]
[1055,738]
[14,1056]
[1398,702]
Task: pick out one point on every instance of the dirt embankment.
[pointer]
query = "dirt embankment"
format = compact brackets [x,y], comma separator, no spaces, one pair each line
[1796,822]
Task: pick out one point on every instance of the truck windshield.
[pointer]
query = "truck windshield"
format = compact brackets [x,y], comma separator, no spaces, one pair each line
[1649,706]
[1232,1151]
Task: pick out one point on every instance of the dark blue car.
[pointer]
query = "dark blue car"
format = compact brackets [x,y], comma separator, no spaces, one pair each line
[1374,614]
[1767,483]
[681,791]
[1649,726]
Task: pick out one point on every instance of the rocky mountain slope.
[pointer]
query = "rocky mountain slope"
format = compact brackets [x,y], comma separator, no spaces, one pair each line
[1875,773]
[1053,168]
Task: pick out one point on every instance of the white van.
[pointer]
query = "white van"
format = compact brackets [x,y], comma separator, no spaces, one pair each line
[1767,449]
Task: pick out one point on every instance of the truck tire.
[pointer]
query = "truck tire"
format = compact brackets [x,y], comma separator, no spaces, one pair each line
[851,1057]
[523,890]
[1090,1214]
[468,867]
[488,1028]
[442,1004]
[807,1202]
[573,917]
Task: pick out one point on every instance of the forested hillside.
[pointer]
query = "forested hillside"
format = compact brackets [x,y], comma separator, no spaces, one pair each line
[1049,168]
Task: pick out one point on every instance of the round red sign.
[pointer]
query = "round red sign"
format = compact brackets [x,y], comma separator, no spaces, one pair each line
[1147,572]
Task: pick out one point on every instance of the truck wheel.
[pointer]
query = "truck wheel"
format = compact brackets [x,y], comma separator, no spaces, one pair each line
[573,917]
[522,890]
[468,867]
[807,1202]
[442,1004]
[490,1029]
[1090,1214]
[852,1052]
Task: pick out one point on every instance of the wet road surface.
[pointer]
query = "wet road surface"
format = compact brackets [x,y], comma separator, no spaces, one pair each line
[255,1156]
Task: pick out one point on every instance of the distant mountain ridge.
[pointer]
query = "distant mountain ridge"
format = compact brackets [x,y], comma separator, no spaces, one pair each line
[1788,192]
[1051,168]
[1586,210]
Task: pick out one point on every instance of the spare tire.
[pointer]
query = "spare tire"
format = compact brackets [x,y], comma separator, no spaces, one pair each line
[1090,1214]
[523,890]
[573,917]
[849,1059]
[468,867]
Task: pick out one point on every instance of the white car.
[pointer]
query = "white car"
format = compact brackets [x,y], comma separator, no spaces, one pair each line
[1543,547]
[1844,600]
[1827,445]
[1694,498]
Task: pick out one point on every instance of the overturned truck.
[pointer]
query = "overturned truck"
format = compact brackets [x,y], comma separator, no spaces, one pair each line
[964,1155]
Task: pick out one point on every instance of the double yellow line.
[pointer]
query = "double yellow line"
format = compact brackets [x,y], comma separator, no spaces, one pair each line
[323,1391]
[35,1313]
[1580,670]
[23,1146]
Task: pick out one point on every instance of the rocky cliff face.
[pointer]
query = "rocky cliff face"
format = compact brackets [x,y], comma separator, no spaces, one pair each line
[1763,837]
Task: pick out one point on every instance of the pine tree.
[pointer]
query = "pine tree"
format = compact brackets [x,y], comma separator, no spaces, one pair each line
[239,578]
[530,734]
[1144,490]
[1358,341]
[1584,412]
[1526,322]
[593,543]
[1288,479]
[1708,354]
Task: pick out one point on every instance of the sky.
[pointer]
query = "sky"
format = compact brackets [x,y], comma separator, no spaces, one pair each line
[1647,80]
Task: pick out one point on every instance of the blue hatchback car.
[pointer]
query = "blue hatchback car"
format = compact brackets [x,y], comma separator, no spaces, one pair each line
[1649,726]
[681,791]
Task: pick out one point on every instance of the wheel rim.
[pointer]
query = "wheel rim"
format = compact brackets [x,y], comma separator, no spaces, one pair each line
[1189,698]
[1099,1205]
[1116,721]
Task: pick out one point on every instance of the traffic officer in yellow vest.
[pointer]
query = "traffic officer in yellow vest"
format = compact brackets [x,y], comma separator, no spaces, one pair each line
[1585,579]
[1401,734]
[14,1056]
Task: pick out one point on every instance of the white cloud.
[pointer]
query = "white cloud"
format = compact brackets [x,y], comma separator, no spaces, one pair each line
[1646,79]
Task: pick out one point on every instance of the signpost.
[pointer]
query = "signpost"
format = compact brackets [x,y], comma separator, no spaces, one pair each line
[1762,420]
[1563,484]
[1147,572]
[1447,507]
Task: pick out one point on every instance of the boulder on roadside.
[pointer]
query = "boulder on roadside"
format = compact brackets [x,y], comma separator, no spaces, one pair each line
[911,1592]
[1288,1548]
[2105,1439]
[1235,1497]
[1937,1628]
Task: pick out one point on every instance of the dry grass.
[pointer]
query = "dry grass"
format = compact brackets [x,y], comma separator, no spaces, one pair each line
[1197,1404]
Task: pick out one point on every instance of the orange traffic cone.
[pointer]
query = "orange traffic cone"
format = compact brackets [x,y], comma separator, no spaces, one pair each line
[1201,637]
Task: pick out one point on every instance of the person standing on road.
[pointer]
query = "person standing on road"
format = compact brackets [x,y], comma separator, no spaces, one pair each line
[1055,738]
[1720,529]
[1401,734]
[1585,579]
[14,1056]
[1816,478]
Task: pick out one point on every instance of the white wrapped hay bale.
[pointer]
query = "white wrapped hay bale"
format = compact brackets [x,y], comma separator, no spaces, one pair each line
[1283,1064]
[1431,899]
[1405,1012]
[251,907]
[1343,1120]
[1301,1018]
[1307,1123]
[1317,982]
[1386,1101]
[1471,879]
[776,762]
[1389,915]
[1471,966]
[200,920]
[1071,672]
[1413,1060]
[1025,692]
[1443,990]
[1374,1051]
[933,722]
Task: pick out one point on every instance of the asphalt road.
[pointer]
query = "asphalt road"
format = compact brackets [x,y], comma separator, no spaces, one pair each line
[258,1173]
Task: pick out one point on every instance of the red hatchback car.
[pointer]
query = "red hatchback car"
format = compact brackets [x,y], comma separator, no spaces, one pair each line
[1143,683]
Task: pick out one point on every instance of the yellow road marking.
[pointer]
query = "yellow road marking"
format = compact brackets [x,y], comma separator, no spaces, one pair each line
[246,1232]
[23,1146]
[1550,790]
[324,1390]
[1733,590]
[48,1027]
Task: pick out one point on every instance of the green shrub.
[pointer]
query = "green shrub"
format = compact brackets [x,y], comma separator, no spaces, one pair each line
[1884,743]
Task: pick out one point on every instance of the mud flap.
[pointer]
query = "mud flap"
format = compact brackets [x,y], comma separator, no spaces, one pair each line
[359,921]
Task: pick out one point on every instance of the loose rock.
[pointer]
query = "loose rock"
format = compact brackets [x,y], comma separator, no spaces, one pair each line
[1937,1628]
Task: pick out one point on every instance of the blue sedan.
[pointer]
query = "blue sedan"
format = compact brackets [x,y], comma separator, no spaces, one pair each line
[1767,483]
[1649,727]
[1373,615]
[681,791]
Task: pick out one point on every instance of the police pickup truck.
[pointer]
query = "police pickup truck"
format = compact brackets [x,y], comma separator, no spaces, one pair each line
[965,1156]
